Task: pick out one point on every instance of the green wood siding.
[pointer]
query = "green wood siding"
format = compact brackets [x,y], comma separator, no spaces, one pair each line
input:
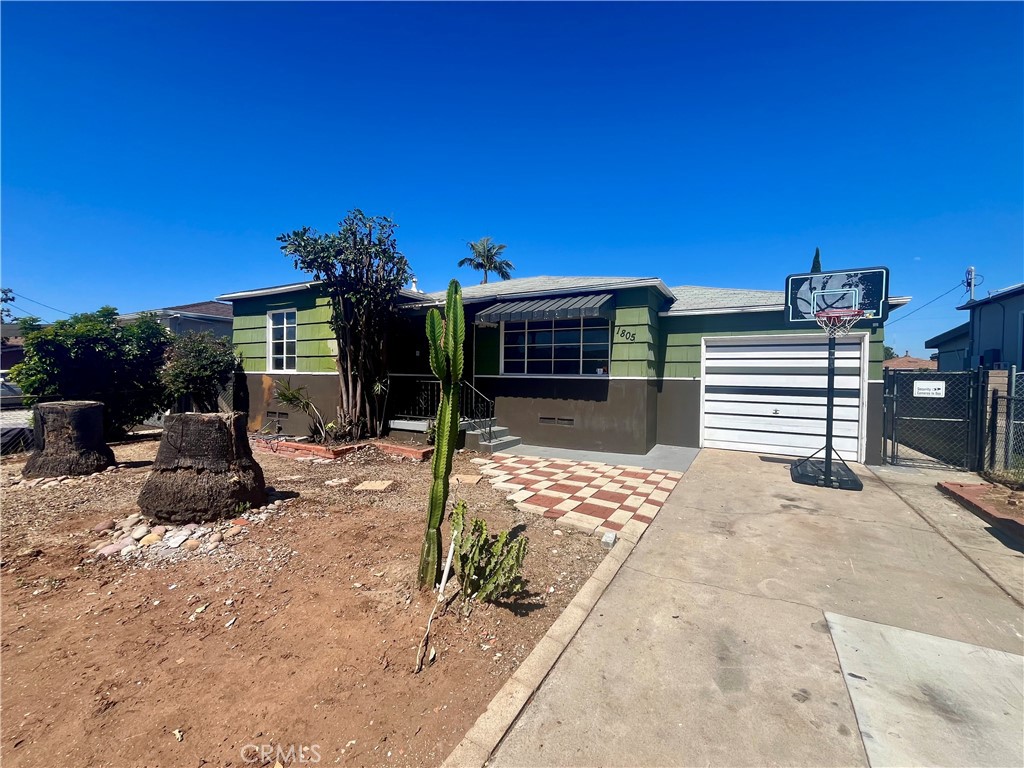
[315,345]
[635,333]
[681,339]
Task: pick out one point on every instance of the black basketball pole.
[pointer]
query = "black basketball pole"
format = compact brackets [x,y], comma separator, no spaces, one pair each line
[830,397]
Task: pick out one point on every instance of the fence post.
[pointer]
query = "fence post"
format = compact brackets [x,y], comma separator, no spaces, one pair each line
[1011,391]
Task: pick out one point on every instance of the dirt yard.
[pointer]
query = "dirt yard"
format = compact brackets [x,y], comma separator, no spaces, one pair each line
[294,639]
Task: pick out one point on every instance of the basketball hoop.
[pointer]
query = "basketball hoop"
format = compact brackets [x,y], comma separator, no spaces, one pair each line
[838,322]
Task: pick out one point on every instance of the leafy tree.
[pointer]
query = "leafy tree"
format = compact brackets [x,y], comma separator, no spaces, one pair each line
[91,356]
[888,353]
[198,366]
[362,272]
[486,258]
[816,264]
[6,297]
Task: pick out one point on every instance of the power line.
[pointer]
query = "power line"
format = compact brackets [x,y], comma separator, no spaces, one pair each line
[904,317]
[26,298]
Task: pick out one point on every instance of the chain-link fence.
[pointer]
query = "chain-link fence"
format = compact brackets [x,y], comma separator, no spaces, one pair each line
[1004,444]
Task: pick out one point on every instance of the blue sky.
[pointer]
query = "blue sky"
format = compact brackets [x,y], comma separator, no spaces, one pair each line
[152,152]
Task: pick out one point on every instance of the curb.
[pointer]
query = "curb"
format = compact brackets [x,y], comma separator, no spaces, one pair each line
[490,728]
[962,494]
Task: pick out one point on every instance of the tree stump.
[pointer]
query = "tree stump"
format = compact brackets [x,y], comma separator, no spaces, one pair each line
[68,440]
[204,470]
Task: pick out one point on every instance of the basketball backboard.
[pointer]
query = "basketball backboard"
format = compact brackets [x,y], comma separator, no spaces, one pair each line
[866,289]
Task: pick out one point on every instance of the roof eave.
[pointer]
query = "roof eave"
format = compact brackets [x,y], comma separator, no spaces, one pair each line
[894,301]
[652,282]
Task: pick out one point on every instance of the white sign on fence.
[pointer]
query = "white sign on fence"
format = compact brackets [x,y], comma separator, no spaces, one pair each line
[929,389]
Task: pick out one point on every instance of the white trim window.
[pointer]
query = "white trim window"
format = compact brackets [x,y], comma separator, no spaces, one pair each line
[579,347]
[281,326]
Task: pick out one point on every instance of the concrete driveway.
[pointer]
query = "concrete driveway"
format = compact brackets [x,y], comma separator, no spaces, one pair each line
[760,622]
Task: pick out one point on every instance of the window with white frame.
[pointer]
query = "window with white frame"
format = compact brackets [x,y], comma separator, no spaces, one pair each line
[556,347]
[281,344]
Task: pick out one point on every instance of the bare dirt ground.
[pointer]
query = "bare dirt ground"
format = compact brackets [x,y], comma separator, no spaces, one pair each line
[305,647]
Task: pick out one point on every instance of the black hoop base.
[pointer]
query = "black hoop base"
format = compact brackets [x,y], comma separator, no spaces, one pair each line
[811,471]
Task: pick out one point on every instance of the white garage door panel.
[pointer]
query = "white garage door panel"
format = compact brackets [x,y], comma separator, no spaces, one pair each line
[796,445]
[795,410]
[770,396]
[769,380]
[776,424]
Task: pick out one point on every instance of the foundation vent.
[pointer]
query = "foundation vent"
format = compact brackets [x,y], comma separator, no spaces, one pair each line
[557,421]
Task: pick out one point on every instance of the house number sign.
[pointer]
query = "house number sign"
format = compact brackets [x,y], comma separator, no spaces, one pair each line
[627,335]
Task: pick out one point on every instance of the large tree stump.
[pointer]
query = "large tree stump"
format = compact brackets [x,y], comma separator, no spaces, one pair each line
[68,440]
[204,470]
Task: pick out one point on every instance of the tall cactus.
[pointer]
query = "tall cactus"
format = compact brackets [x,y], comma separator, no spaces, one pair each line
[446,337]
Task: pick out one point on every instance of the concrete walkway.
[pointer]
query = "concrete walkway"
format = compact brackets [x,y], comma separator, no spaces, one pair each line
[712,647]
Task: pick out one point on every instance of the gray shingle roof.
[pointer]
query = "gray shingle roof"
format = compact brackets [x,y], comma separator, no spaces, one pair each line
[546,284]
[695,298]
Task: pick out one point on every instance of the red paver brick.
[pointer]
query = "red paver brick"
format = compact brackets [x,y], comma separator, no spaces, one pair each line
[553,514]
[636,475]
[541,500]
[611,526]
[653,502]
[543,471]
[560,488]
[595,511]
[614,496]
[643,519]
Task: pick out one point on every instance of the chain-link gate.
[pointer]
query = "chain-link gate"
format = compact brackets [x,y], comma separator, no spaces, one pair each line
[931,418]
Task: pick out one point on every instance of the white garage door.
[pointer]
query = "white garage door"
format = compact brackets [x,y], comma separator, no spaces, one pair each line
[768,396]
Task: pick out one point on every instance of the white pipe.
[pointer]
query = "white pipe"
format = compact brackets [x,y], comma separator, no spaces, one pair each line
[447,568]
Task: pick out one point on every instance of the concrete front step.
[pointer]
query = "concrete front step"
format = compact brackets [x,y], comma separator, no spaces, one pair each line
[493,433]
[501,444]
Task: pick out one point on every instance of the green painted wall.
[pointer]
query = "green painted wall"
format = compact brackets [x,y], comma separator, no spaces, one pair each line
[681,338]
[315,345]
[635,333]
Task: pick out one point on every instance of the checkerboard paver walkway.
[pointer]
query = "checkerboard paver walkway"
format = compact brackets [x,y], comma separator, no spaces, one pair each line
[589,495]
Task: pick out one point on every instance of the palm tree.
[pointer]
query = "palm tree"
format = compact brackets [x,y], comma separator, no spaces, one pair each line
[486,258]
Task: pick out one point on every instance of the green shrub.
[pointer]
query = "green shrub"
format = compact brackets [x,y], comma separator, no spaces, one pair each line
[199,365]
[91,356]
[489,568]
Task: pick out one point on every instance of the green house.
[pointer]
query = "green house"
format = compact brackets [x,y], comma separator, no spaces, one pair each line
[600,363]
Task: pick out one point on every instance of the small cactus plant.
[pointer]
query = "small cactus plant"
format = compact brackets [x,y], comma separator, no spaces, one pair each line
[489,567]
[446,337]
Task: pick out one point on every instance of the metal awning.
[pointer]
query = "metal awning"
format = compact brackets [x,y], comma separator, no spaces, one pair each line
[565,308]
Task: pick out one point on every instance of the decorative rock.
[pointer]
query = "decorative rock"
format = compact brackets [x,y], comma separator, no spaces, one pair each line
[192,526]
[191,545]
[131,549]
[374,485]
[216,538]
[106,525]
[150,538]
[608,540]
[139,532]
[177,539]
[129,521]
[111,549]
[240,521]
[234,530]
[98,545]
[160,530]
[199,532]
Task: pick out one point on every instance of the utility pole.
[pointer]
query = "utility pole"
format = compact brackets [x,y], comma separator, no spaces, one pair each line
[970,281]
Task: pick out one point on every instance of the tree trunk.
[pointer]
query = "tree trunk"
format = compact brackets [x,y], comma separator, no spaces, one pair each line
[68,440]
[204,470]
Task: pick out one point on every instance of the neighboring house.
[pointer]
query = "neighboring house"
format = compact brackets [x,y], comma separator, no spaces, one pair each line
[213,316]
[12,346]
[993,337]
[609,364]
[908,363]
[952,348]
[997,329]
